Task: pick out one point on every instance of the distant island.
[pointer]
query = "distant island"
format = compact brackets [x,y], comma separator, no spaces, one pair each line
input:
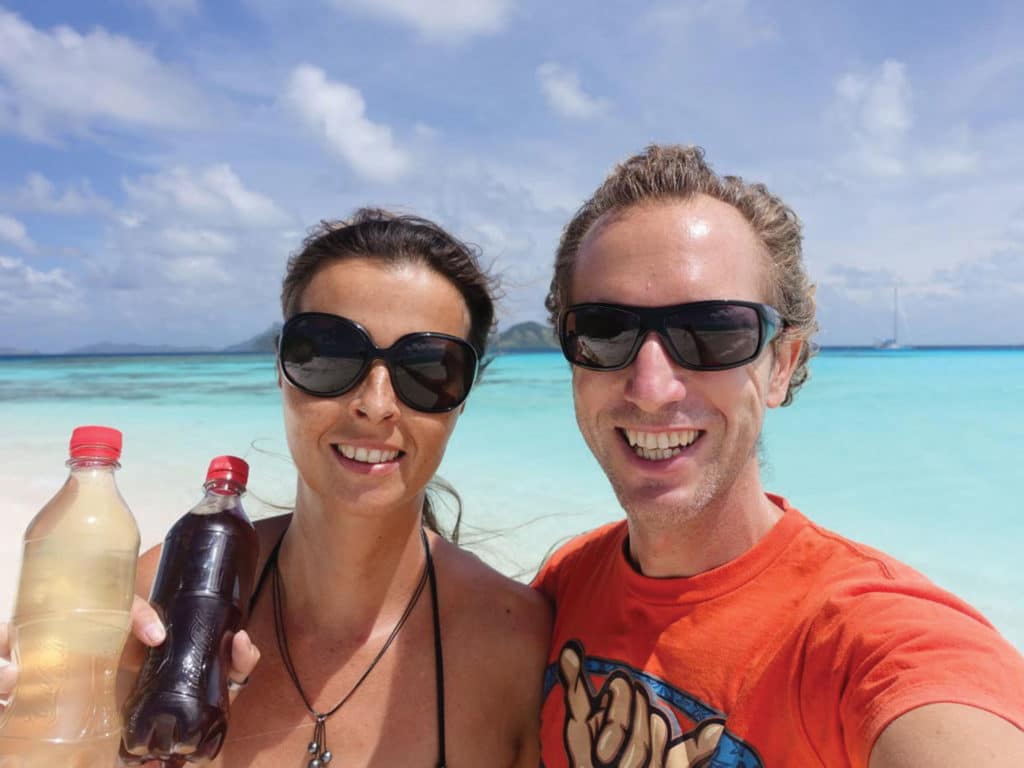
[12,352]
[521,337]
[261,342]
[525,337]
[112,348]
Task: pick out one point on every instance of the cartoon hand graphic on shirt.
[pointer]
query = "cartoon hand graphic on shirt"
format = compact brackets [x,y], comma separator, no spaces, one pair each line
[618,726]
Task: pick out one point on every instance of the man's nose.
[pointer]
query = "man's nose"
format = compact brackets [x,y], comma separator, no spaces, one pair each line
[654,378]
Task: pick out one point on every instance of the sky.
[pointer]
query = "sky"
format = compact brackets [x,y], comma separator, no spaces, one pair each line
[160,159]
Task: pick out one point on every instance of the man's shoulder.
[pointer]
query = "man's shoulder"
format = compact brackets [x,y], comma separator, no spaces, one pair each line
[598,542]
[829,555]
[854,583]
[582,550]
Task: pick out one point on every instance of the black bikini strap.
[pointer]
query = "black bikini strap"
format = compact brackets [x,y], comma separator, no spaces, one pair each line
[438,655]
[267,566]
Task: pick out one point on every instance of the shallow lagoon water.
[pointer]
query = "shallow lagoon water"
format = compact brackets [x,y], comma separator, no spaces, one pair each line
[915,452]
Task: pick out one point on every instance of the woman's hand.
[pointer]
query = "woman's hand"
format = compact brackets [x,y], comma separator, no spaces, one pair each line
[149,630]
[146,625]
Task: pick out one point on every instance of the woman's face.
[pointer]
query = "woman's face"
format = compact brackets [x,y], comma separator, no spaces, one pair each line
[392,450]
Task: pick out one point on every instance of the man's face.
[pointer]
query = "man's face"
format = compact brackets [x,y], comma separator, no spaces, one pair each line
[660,254]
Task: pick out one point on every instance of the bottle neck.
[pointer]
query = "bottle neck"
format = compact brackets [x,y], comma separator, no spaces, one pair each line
[223,487]
[92,464]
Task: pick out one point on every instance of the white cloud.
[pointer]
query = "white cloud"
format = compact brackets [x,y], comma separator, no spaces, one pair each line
[732,17]
[214,195]
[856,278]
[205,271]
[564,93]
[171,11]
[875,118]
[61,81]
[186,244]
[336,112]
[29,293]
[948,161]
[875,112]
[13,231]
[193,240]
[40,194]
[454,21]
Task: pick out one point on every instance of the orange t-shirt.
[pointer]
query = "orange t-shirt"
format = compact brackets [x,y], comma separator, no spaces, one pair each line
[798,653]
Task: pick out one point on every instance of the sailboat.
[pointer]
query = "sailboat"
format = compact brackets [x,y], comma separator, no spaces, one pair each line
[893,342]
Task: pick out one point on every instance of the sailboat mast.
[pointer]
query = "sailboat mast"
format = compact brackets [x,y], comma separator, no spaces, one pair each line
[895,313]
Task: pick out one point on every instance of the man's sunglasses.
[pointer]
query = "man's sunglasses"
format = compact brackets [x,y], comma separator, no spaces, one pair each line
[327,355]
[700,336]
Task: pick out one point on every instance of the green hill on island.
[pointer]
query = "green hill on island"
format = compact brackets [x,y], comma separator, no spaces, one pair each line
[525,337]
[261,342]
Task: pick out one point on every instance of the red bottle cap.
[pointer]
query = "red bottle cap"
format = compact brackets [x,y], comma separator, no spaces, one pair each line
[228,468]
[96,442]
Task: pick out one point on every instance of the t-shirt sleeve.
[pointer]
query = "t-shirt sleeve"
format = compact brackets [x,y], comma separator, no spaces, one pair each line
[558,568]
[546,580]
[880,653]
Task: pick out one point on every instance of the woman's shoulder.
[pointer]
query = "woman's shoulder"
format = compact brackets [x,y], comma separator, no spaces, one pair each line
[488,599]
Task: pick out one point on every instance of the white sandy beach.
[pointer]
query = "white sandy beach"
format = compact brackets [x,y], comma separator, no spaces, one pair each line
[159,490]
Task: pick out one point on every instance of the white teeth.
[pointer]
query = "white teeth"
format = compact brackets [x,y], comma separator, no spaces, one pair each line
[657,454]
[657,446]
[367,456]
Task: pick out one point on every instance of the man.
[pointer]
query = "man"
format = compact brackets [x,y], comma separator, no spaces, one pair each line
[717,626]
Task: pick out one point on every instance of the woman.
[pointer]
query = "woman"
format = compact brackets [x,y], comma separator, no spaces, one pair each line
[411,651]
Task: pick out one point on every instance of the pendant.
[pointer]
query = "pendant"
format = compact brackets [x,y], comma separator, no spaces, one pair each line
[318,746]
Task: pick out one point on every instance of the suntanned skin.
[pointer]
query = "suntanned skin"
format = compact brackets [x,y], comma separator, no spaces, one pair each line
[495,635]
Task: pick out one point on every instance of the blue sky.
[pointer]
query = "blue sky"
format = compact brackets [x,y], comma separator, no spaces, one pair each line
[159,159]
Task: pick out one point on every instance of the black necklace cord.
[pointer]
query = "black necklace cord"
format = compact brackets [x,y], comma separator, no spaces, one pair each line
[318,747]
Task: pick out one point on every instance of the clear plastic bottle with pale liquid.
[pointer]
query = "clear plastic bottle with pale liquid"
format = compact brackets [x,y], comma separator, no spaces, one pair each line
[72,616]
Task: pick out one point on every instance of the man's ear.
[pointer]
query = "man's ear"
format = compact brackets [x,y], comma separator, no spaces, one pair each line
[787,353]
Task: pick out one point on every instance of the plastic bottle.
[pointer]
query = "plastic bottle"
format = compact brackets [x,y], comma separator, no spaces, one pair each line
[178,711]
[71,616]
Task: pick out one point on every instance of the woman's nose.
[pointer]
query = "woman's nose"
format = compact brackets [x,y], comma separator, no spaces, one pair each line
[374,398]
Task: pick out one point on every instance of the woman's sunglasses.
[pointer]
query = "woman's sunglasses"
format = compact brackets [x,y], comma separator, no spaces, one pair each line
[700,336]
[327,355]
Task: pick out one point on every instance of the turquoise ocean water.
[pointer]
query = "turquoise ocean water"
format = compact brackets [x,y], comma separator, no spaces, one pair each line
[916,452]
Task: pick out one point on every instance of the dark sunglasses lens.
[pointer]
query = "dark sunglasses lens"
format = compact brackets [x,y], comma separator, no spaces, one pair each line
[715,336]
[322,354]
[599,337]
[432,373]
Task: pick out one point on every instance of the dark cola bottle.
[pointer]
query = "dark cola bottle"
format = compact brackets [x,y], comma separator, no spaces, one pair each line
[178,710]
